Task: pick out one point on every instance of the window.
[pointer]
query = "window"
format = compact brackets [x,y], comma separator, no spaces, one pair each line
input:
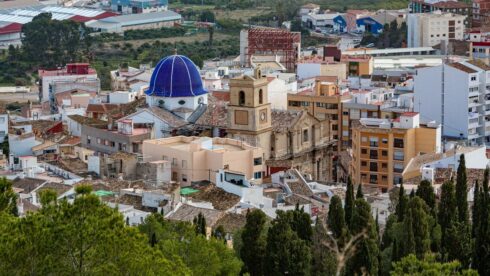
[384,165]
[257,161]
[335,127]
[373,141]
[184,164]
[88,139]
[363,151]
[363,163]
[384,141]
[174,161]
[99,141]
[373,167]
[305,135]
[398,143]
[261,94]
[373,154]
[257,175]
[241,98]
[345,133]
[164,157]
[384,153]
[184,177]
[397,179]
[398,168]
[398,155]
[373,179]
[473,78]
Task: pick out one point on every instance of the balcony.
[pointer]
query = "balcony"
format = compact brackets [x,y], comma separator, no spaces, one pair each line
[473,102]
[474,135]
[473,124]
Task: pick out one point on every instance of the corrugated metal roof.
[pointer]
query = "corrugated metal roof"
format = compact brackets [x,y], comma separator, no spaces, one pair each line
[73,11]
[15,18]
[143,18]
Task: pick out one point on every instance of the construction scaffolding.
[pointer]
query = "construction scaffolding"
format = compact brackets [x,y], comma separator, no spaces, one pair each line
[274,42]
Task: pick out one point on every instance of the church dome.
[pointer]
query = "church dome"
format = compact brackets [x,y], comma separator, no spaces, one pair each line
[176,76]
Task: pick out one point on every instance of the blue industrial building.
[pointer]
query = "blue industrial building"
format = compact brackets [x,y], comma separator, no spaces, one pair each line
[340,25]
[370,25]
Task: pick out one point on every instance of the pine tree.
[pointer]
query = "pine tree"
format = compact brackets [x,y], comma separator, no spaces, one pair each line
[447,210]
[253,239]
[426,192]
[8,198]
[323,261]
[349,202]
[461,191]
[359,193]
[200,224]
[301,224]
[402,204]
[412,193]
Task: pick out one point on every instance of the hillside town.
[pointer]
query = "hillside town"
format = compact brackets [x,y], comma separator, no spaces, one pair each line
[306,139]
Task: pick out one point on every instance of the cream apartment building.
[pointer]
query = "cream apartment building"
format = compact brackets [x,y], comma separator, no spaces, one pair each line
[429,29]
[199,158]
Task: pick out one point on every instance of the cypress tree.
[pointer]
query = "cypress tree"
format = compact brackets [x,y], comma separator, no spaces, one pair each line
[447,210]
[253,251]
[402,204]
[408,245]
[461,191]
[475,214]
[349,202]
[335,219]
[359,193]
[481,251]
[426,192]
[412,193]
[365,258]
[420,219]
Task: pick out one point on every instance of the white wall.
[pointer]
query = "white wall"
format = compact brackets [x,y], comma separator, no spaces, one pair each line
[308,70]
[427,93]
[121,97]
[21,147]
[456,102]
[74,128]
[278,94]
[476,159]
[94,164]
[4,126]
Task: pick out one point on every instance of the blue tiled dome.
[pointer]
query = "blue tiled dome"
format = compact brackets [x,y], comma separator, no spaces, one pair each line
[176,76]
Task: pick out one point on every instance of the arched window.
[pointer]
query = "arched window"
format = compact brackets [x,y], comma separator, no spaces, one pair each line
[241,98]
[261,99]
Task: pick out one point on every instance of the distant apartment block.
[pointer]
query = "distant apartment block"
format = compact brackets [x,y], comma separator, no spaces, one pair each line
[381,148]
[430,29]
[457,95]
[73,75]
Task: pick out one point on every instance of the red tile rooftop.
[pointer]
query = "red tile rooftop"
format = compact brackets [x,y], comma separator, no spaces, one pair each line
[63,72]
[410,114]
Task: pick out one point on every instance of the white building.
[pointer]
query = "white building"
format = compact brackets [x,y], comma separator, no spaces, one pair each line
[122,97]
[319,21]
[4,126]
[457,95]
[429,29]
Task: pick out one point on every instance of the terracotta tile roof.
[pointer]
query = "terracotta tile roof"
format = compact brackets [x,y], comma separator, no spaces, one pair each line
[70,140]
[451,5]
[283,120]
[410,114]
[101,108]
[220,199]
[27,184]
[88,121]
[216,114]
[480,64]
[188,213]
[462,67]
[231,222]
[166,116]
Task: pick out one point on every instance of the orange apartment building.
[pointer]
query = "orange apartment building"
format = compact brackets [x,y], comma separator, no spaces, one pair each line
[358,65]
[382,148]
